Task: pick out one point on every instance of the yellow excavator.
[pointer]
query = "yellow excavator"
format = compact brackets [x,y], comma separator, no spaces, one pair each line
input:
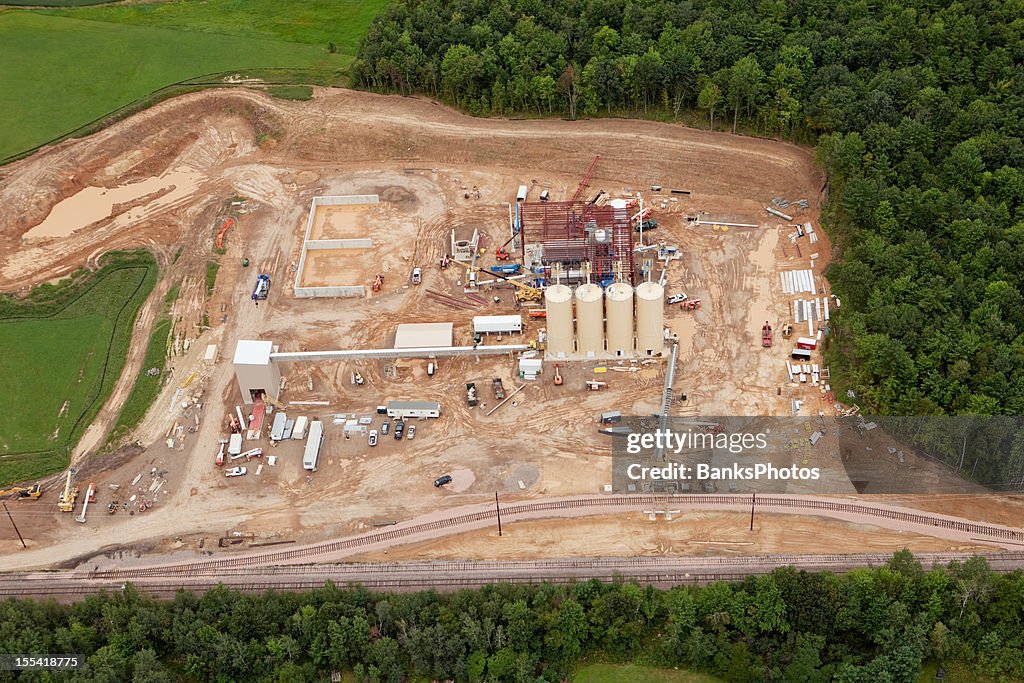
[32,492]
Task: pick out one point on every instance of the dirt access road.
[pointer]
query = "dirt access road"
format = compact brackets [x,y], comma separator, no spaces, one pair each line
[427,163]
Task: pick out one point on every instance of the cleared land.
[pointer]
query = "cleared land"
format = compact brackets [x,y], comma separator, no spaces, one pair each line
[423,160]
[63,71]
[615,673]
[62,362]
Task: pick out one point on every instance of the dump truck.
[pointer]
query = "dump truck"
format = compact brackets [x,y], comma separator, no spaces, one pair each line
[471,396]
[499,388]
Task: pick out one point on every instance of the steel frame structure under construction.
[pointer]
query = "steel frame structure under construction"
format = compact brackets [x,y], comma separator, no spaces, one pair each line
[574,233]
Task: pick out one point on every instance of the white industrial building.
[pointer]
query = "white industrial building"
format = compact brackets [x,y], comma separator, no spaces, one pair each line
[420,409]
[497,324]
[255,371]
[424,335]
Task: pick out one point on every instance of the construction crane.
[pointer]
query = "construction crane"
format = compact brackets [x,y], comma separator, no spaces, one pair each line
[70,493]
[586,179]
[33,491]
[523,292]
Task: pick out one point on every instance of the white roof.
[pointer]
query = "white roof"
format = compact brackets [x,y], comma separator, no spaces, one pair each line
[530,364]
[251,352]
[423,335]
[211,352]
[497,323]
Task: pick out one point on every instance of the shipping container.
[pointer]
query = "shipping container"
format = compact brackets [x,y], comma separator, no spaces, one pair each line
[299,431]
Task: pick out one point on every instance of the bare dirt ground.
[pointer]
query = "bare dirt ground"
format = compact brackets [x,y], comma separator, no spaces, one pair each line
[426,162]
[633,535]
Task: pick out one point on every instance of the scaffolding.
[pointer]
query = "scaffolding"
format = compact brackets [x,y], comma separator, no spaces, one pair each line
[577,233]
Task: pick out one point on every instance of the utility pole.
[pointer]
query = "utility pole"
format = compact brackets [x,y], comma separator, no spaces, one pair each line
[753,499]
[498,510]
[15,526]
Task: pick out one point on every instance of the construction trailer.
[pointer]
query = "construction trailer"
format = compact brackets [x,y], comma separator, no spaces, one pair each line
[800,354]
[572,234]
[521,194]
[277,429]
[418,409]
[809,343]
[497,324]
[313,442]
[299,430]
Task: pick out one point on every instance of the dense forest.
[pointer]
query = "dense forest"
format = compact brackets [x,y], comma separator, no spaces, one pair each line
[916,108]
[868,626]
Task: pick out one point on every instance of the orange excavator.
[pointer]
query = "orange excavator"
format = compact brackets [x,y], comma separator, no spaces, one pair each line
[558,375]
[378,282]
[766,335]
[690,305]
[219,241]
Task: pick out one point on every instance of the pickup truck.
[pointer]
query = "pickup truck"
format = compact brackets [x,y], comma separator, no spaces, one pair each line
[417,276]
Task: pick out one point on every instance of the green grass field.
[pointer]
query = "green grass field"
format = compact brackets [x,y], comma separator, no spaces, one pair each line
[616,673]
[146,387]
[64,68]
[63,352]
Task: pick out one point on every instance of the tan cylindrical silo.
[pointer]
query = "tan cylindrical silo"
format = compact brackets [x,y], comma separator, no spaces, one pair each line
[619,309]
[589,319]
[558,304]
[650,318]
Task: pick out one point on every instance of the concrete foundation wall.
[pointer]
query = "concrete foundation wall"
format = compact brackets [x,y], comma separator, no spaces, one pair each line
[307,244]
[362,243]
[339,292]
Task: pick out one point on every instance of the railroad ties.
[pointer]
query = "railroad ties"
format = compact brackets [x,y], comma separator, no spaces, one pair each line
[452,302]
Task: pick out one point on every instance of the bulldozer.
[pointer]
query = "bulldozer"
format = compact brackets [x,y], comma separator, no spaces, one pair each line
[32,492]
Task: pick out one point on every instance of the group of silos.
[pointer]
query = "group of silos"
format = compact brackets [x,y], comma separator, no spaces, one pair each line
[604,320]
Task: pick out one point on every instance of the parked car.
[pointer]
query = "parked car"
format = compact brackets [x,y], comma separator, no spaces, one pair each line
[385,428]
[373,437]
[412,431]
[677,298]
[234,472]
[441,481]
[399,429]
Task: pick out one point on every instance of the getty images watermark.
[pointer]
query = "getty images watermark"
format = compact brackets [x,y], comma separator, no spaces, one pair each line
[669,442]
[817,455]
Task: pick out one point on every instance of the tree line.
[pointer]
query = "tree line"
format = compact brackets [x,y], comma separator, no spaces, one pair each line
[868,626]
[915,107]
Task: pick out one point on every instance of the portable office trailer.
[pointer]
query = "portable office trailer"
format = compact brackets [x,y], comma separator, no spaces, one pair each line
[806,343]
[414,409]
[521,195]
[801,354]
[610,417]
[313,443]
[235,444]
[299,431]
[277,429]
[497,324]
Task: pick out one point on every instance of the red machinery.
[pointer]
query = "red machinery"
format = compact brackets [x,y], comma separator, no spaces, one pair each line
[558,375]
[378,282]
[766,335]
[690,305]
[219,242]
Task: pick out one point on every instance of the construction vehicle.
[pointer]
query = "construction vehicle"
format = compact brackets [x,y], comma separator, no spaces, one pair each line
[646,225]
[90,497]
[586,179]
[225,226]
[594,385]
[220,454]
[445,260]
[378,282]
[262,288]
[70,493]
[502,253]
[471,397]
[32,492]
[787,331]
[766,335]
[417,276]
[523,292]
[558,375]
[538,313]
[359,378]
[691,305]
[508,269]
[499,388]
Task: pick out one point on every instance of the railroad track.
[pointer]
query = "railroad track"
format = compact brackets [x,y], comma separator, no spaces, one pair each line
[540,509]
[454,575]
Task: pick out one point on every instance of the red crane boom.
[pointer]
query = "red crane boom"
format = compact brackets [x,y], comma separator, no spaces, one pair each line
[586,179]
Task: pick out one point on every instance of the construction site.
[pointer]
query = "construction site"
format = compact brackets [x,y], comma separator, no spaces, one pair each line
[420,315]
